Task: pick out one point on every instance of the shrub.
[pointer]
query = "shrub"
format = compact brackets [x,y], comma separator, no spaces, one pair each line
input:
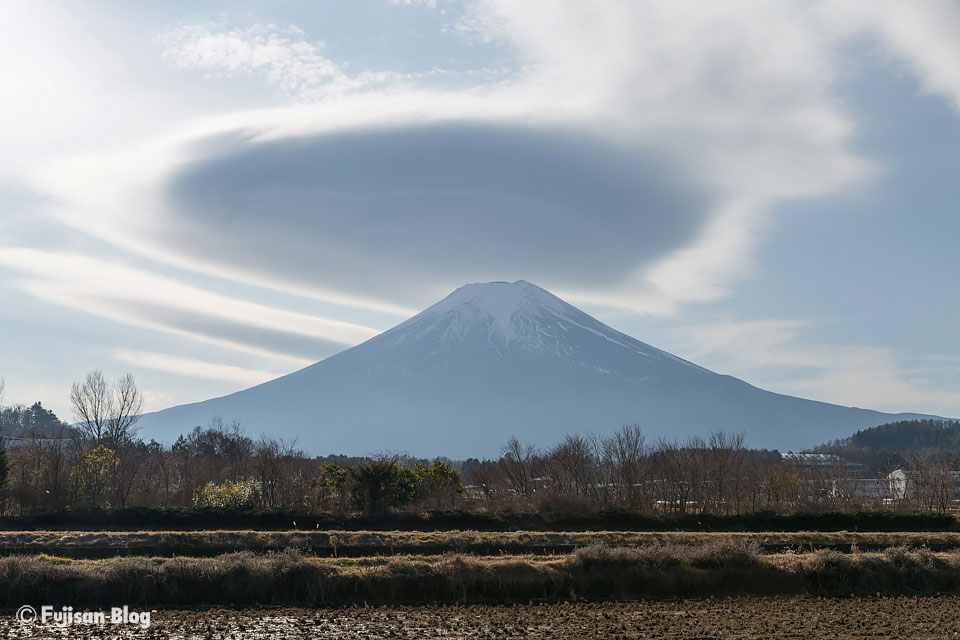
[381,483]
[227,495]
[725,553]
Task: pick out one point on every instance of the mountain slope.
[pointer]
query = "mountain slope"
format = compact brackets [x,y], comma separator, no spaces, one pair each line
[496,359]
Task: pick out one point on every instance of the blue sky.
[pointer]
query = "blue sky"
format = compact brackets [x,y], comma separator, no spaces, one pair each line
[211,196]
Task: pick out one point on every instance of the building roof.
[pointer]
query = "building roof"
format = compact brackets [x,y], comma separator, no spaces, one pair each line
[812,458]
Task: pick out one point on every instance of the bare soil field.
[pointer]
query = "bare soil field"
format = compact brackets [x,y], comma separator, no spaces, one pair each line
[741,618]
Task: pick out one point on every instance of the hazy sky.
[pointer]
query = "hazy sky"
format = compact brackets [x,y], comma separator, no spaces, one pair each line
[211,197]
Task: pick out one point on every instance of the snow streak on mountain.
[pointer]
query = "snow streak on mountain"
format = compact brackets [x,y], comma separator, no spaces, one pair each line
[498,359]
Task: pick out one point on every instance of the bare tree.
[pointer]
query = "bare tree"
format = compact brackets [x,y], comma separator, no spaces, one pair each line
[91,405]
[627,452]
[107,416]
[126,406]
[722,463]
[235,446]
[4,464]
[517,463]
[571,463]
[282,482]
[672,463]
[934,485]
[699,485]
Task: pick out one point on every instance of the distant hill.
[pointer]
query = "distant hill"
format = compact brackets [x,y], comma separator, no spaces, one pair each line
[497,359]
[886,445]
[906,435]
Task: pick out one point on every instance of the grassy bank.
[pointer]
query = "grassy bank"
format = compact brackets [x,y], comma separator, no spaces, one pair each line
[106,544]
[137,519]
[719,568]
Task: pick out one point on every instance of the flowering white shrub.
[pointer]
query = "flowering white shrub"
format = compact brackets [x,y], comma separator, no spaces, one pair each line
[227,495]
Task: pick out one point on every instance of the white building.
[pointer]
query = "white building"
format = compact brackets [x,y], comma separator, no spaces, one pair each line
[901,484]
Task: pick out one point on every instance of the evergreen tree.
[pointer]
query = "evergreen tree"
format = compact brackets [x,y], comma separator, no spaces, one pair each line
[18,421]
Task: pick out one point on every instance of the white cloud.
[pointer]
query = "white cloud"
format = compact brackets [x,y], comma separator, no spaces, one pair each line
[194,368]
[73,80]
[121,293]
[430,4]
[924,33]
[781,352]
[287,59]
[739,94]
[736,94]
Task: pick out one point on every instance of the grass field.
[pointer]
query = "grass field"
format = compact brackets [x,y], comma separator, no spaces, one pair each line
[89,545]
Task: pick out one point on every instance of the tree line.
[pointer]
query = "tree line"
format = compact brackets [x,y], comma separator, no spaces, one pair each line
[716,474]
[101,461]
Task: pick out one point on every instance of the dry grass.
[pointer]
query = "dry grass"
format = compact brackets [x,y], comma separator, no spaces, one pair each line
[723,566]
[364,543]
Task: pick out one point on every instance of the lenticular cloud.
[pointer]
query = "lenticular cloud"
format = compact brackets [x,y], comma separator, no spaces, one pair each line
[457,199]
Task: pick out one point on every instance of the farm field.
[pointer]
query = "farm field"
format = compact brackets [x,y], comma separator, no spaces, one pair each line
[923,618]
[105,544]
[468,584]
[720,566]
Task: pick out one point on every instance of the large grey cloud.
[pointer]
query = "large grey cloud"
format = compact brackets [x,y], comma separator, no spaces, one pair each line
[453,202]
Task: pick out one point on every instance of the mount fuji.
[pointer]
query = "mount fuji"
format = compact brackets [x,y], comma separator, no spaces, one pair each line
[498,359]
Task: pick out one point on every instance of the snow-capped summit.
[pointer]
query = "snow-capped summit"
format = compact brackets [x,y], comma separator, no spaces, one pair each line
[497,359]
[500,317]
[507,311]
[507,305]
